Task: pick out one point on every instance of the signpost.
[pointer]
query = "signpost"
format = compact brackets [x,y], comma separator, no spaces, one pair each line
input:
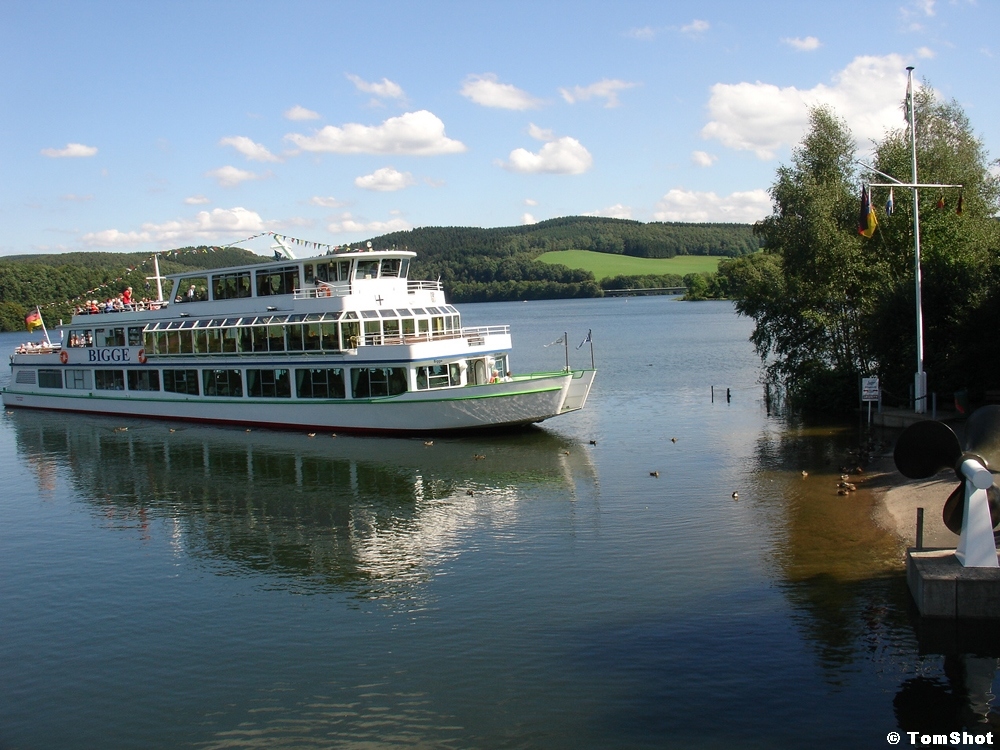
[869,393]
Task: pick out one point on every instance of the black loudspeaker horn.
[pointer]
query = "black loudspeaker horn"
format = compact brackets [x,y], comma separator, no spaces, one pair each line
[925,448]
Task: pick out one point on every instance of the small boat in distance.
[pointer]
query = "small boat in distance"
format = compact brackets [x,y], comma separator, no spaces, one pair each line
[342,341]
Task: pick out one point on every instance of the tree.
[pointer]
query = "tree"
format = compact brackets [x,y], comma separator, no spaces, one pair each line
[830,305]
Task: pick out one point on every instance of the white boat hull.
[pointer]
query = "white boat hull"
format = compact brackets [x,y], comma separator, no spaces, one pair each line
[524,400]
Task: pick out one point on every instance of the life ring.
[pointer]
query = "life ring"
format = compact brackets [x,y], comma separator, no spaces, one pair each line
[327,292]
[64,357]
[142,356]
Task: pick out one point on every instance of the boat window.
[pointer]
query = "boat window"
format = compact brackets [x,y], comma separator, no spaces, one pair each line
[276,338]
[369,313]
[186,342]
[268,384]
[110,336]
[500,367]
[322,272]
[49,379]
[228,383]
[351,315]
[376,382]
[409,327]
[343,270]
[144,380]
[311,337]
[311,317]
[373,333]
[390,267]
[294,338]
[279,319]
[230,321]
[436,376]
[423,326]
[214,340]
[391,330]
[437,325]
[434,310]
[174,324]
[330,339]
[419,311]
[332,315]
[187,324]
[181,381]
[191,289]
[229,338]
[320,383]
[403,313]
[201,337]
[79,379]
[109,380]
[387,313]
[81,338]
[476,373]
[366,269]
[404,267]
[234,285]
[308,272]
[296,318]
[350,334]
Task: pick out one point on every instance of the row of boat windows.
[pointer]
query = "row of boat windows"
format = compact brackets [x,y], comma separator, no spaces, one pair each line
[276,333]
[283,279]
[325,383]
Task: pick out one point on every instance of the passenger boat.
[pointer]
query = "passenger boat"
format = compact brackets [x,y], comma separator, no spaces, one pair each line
[342,341]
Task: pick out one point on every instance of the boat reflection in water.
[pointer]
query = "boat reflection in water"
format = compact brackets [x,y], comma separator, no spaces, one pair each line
[367,515]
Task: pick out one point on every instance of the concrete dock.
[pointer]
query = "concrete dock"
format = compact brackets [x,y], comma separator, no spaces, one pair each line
[942,587]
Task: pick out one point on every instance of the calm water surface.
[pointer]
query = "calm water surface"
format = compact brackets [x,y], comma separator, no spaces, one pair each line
[169,586]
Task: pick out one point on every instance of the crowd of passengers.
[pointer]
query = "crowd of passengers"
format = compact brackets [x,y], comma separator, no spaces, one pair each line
[121,303]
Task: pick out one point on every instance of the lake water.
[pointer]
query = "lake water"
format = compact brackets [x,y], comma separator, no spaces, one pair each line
[173,586]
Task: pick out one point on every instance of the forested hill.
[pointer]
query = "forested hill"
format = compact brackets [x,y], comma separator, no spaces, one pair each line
[499,264]
[617,236]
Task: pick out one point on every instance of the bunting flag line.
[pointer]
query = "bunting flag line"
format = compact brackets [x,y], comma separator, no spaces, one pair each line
[866,219]
[560,340]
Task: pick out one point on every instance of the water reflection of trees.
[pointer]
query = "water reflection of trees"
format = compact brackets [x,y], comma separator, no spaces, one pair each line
[372,516]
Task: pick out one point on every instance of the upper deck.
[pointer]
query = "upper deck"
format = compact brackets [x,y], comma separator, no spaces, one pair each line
[345,281]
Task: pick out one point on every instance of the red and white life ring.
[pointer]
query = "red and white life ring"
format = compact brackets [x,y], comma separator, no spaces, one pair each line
[64,356]
[142,356]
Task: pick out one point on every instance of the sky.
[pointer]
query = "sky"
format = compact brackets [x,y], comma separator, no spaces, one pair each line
[143,126]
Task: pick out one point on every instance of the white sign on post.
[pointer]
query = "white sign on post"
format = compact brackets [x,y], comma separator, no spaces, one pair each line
[869,389]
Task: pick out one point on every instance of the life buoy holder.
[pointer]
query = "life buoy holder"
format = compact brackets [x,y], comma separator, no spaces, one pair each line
[64,357]
[142,356]
[326,291]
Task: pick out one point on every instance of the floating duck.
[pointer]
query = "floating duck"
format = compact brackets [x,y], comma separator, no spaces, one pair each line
[479,456]
[736,496]
[312,434]
[804,473]
[654,473]
[673,440]
[428,443]
[593,442]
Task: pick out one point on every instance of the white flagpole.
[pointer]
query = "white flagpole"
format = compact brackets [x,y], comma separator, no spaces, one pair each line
[920,379]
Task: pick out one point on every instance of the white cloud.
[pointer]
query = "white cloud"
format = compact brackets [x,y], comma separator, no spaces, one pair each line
[559,156]
[229,176]
[205,226]
[251,150]
[300,113]
[385,180]
[644,33]
[762,117]
[487,91]
[325,201]
[800,44]
[690,205]
[606,89]
[414,133]
[530,202]
[71,151]
[617,211]
[926,53]
[527,218]
[197,200]
[74,198]
[347,223]
[385,89]
[695,28]
[703,158]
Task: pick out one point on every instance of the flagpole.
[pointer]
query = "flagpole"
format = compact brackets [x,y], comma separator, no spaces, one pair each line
[590,338]
[920,378]
[566,347]
[42,321]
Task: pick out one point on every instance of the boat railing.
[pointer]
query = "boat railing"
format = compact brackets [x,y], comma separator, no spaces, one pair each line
[421,286]
[323,290]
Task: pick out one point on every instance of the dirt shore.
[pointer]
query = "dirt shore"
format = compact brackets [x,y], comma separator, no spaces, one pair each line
[897,499]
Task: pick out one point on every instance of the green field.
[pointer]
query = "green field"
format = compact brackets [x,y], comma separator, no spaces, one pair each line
[603,265]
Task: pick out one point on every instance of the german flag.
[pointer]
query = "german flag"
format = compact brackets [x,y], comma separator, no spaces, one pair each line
[33,320]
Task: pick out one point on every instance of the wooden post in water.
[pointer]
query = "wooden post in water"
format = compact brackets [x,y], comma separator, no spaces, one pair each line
[920,528]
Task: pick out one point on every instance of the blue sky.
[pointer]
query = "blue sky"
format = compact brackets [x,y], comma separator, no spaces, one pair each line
[152,125]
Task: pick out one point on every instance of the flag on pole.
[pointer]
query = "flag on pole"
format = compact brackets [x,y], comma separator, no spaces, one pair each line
[586,340]
[890,204]
[958,208]
[560,340]
[866,219]
[33,320]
